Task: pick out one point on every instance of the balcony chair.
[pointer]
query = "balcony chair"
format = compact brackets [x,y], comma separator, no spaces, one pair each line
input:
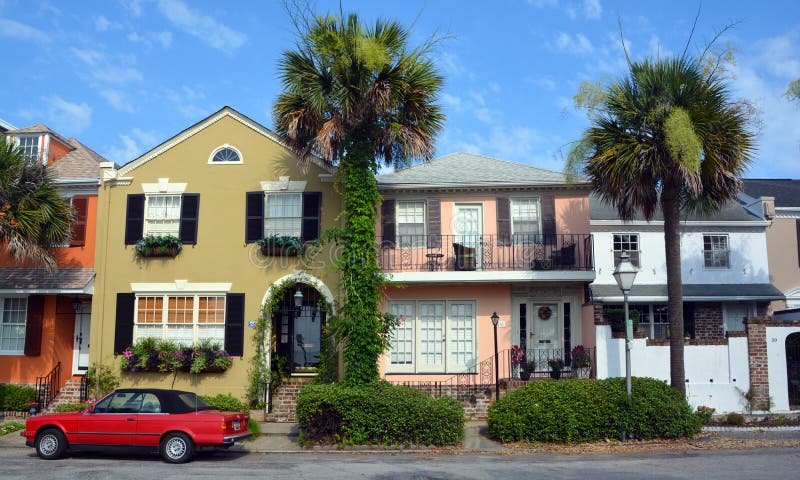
[563,258]
[464,257]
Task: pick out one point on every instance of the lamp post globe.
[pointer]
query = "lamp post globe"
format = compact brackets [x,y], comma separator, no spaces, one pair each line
[625,273]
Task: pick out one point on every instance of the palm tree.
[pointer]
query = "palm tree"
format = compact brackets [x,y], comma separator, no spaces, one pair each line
[666,135]
[33,214]
[357,96]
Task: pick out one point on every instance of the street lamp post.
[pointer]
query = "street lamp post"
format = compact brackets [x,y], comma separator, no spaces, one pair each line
[624,274]
[495,318]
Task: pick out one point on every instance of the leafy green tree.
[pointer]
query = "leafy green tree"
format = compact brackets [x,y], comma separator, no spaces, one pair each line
[33,215]
[666,135]
[793,90]
[357,96]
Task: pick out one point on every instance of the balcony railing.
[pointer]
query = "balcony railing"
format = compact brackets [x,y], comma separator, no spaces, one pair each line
[431,253]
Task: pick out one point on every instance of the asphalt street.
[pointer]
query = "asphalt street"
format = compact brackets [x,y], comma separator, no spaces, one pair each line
[777,463]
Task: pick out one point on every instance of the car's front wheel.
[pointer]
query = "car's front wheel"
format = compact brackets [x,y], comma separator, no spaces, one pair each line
[50,444]
[177,447]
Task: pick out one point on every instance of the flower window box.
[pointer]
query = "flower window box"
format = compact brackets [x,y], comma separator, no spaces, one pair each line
[158,246]
[280,246]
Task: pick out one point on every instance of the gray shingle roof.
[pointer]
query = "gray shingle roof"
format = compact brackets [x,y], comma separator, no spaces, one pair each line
[33,278]
[80,162]
[785,191]
[730,212]
[470,170]
[721,291]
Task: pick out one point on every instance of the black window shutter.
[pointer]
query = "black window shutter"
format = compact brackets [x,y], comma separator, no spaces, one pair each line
[134,218]
[190,209]
[234,324]
[310,225]
[549,218]
[123,330]
[33,325]
[434,206]
[388,223]
[254,225]
[567,329]
[77,230]
[503,221]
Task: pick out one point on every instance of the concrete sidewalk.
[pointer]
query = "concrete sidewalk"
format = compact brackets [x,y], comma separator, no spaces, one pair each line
[282,438]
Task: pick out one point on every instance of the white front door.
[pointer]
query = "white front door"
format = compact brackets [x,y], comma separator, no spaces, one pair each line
[80,356]
[468,229]
[544,338]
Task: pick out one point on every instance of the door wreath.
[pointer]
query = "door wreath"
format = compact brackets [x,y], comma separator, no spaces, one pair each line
[545,313]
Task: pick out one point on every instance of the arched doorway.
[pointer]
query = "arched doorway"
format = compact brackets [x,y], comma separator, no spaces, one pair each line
[297,324]
[793,370]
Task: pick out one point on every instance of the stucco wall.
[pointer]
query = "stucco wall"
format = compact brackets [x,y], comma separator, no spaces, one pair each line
[776,354]
[784,266]
[716,374]
[220,254]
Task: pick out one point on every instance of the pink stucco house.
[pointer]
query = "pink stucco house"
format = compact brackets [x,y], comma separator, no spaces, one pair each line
[466,236]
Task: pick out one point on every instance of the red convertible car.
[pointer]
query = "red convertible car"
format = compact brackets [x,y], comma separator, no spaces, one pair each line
[175,422]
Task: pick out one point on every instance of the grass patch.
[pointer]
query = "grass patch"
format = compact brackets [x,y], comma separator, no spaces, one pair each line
[10,427]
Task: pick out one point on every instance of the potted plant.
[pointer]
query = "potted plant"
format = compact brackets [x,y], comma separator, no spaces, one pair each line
[280,246]
[581,361]
[141,356]
[517,358]
[158,246]
[527,369]
[556,365]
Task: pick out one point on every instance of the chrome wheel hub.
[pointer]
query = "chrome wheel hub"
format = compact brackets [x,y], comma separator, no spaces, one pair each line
[48,444]
[176,448]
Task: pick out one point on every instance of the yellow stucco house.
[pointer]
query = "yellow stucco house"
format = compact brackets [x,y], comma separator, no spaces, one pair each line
[215,189]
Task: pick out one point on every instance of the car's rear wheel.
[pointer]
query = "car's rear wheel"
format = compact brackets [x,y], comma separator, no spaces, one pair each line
[177,447]
[50,444]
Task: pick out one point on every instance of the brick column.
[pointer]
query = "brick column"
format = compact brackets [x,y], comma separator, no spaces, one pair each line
[758,361]
[708,321]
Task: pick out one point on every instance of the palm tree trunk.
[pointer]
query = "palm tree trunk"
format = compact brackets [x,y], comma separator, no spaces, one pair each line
[670,206]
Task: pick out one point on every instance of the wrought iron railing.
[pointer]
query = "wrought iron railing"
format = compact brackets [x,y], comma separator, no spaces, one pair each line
[84,389]
[410,253]
[511,368]
[47,387]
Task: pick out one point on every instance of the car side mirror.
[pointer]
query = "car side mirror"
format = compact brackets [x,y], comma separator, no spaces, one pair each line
[89,409]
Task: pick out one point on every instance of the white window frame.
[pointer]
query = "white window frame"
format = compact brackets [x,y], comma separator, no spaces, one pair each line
[415,240]
[635,255]
[27,143]
[24,324]
[519,237]
[223,147]
[716,252]
[410,325]
[151,223]
[449,367]
[298,219]
[164,330]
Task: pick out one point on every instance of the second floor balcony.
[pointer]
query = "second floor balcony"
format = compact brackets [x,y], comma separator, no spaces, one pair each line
[529,252]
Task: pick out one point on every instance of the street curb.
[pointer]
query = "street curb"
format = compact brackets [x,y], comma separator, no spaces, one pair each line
[792,428]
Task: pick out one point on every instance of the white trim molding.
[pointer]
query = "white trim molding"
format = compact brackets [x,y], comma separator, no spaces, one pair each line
[284,185]
[164,187]
[181,286]
[300,276]
[692,223]
[492,276]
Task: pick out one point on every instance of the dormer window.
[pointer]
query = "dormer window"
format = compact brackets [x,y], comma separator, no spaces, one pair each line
[226,154]
[30,147]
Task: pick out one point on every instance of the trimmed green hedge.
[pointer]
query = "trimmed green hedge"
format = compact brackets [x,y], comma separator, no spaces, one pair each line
[69,407]
[378,413]
[16,398]
[591,410]
[226,403]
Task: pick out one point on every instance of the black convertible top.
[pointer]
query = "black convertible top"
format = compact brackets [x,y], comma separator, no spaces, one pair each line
[173,401]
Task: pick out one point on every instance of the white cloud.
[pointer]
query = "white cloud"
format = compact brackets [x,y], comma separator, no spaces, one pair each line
[576,44]
[201,26]
[117,75]
[162,38]
[543,3]
[20,31]
[103,24]
[515,143]
[88,56]
[456,103]
[134,7]
[189,101]
[592,9]
[118,100]
[131,146]
[71,118]
[451,64]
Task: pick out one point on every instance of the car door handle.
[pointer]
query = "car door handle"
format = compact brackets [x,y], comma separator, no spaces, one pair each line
[131,419]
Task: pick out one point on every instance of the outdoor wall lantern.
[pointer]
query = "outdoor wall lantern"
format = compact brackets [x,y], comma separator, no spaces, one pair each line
[495,319]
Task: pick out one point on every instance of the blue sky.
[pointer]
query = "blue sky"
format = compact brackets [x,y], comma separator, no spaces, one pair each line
[124,75]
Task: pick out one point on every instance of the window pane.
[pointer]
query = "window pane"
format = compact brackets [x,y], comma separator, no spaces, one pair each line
[402,342]
[181,334]
[213,332]
[12,325]
[715,251]
[225,155]
[150,309]
[462,322]
[211,310]
[411,224]
[524,219]
[180,309]
[283,214]
[162,216]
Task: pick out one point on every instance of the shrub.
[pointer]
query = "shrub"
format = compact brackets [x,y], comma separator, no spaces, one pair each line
[704,414]
[226,402]
[10,427]
[378,413]
[100,380]
[16,398]
[69,407]
[734,418]
[616,316]
[591,410]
